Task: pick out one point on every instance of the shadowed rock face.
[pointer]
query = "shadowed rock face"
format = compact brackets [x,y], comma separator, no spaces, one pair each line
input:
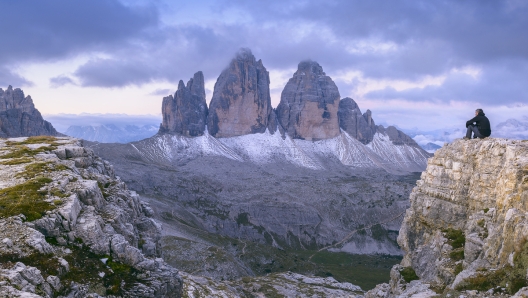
[241,102]
[18,116]
[186,112]
[309,104]
[361,127]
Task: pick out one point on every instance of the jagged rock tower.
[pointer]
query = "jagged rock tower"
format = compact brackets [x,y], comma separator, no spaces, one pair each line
[18,116]
[361,127]
[186,112]
[241,102]
[309,104]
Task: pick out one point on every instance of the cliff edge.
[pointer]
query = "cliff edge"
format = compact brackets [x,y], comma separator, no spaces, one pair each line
[466,230]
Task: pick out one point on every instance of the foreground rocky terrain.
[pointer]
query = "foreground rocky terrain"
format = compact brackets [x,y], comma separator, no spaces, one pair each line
[70,227]
[465,232]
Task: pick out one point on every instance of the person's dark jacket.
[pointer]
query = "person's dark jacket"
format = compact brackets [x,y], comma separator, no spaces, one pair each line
[482,123]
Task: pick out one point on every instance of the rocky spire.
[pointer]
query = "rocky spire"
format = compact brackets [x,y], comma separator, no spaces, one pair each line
[241,102]
[18,116]
[309,104]
[361,127]
[186,112]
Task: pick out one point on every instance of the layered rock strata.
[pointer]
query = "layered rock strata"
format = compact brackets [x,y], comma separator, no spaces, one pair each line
[241,102]
[309,104]
[69,226]
[185,113]
[466,230]
[18,116]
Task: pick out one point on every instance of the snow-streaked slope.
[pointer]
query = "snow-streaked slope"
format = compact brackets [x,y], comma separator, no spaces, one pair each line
[171,148]
[266,148]
[404,157]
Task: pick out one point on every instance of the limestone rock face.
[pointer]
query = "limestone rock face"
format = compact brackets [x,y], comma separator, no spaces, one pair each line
[358,126]
[241,102]
[18,116]
[79,212]
[468,220]
[186,112]
[309,104]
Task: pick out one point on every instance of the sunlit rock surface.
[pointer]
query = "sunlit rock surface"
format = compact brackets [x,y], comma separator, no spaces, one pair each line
[241,102]
[467,226]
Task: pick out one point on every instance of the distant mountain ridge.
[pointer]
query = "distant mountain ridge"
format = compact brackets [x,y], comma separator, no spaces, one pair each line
[311,120]
[111,133]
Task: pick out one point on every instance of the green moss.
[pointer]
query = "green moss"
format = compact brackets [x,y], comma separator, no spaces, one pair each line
[58,193]
[455,238]
[481,223]
[243,219]
[486,210]
[48,264]
[20,151]
[16,161]
[409,274]
[39,168]
[36,140]
[25,198]
[457,254]
[458,268]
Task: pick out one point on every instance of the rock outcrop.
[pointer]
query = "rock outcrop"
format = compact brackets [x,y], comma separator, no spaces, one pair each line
[357,125]
[467,227]
[18,116]
[186,112]
[241,102]
[309,104]
[69,226]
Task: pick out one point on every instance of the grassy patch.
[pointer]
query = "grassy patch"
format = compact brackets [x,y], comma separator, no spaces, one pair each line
[20,151]
[455,238]
[16,161]
[409,274]
[85,267]
[39,168]
[36,140]
[458,268]
[25,198]
[457,254]
[510,277]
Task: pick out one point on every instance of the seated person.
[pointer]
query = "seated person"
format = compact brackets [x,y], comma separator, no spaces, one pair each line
[479,126]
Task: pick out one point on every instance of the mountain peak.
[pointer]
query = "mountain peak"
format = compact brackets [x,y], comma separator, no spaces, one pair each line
[19,117]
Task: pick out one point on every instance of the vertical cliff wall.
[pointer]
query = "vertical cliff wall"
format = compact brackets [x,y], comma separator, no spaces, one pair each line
[186,112]
[241,102]
[309,104]
[467,226]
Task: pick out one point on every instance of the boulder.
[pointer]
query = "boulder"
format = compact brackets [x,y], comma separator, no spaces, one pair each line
[309,104]
[185,113]
[241,102]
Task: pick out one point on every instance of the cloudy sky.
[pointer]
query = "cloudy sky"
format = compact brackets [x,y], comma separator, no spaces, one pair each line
[426,64]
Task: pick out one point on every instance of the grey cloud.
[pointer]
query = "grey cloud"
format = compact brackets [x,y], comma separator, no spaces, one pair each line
[60,81]
[41,30]
[7,77]
[500,83]
[161,92]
